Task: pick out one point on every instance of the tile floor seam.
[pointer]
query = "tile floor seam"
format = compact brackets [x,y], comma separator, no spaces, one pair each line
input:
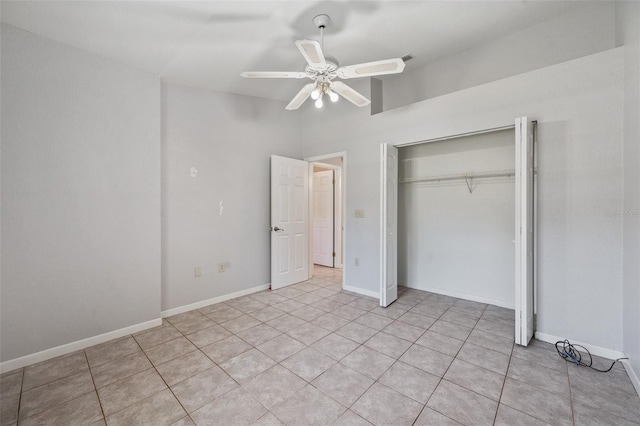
[52,381]
[346,407]
[442,378]
[20,397]
[54,406]
[495,418]
[394,363]
[435,409]
[360,397]
[571,402]
[165,383]
[143,350]
[124,378]
[95,388]
[528,414]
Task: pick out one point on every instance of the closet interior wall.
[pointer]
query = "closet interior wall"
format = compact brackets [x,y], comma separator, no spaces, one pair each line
[456,235]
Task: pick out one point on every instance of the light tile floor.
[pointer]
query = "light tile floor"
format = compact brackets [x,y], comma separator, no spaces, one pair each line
[313,354]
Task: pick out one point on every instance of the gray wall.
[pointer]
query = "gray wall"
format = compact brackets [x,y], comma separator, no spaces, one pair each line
[450,240]
[578,105]
[81,195]
[228,139]
[569,36]
[629,36]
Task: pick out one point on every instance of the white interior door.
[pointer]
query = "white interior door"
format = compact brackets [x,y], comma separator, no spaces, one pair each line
[337,218]
[524,231]
[289,221]
[323,218]
[388,224]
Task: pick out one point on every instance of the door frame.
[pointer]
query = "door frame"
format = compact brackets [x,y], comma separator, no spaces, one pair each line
[337,209]
[533,194]
[343,206]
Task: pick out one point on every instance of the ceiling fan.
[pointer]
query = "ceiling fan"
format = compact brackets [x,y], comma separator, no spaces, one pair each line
[324,69]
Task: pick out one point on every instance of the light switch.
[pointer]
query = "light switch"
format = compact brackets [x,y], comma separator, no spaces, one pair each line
[359,214]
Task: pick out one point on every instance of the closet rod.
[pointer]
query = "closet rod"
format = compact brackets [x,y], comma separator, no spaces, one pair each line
[462,176]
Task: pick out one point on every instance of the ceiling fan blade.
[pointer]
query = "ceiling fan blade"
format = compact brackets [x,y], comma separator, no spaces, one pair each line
[388,66]
[349,94]
[312,53]
[302,96]
[273,74]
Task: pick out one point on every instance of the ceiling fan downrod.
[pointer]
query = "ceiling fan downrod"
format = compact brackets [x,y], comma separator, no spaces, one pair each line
[321,21]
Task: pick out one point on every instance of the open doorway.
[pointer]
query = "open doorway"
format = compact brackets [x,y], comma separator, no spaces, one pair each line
[326,220]
[326,212]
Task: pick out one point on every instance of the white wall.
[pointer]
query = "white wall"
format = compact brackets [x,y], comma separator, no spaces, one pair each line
[228,139]
[629,36]
[450,240]
[572,35]
[81,195]
[578,105]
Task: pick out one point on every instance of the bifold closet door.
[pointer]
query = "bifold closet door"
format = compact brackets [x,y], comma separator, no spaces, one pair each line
[524,231]
[388,224]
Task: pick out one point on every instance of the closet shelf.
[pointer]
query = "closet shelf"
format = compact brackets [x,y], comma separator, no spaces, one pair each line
[461,176]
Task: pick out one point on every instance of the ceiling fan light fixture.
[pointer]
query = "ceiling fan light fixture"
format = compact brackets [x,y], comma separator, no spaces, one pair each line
[322,70]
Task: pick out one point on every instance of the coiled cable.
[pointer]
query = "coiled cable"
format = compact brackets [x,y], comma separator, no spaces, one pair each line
[570,353]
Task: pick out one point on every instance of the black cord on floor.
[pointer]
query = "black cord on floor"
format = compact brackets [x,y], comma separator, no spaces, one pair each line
[570,353]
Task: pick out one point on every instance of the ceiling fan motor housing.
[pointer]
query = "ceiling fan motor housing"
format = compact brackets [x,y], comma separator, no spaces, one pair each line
[321,21]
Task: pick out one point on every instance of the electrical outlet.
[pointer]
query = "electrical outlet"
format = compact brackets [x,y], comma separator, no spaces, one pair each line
[221,267]
[359,214]
[357,261]
[197,272]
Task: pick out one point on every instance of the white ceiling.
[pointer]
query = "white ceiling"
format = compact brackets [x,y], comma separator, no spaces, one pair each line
[207,44]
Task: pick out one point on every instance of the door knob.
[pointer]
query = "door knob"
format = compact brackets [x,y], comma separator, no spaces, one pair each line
[278,229]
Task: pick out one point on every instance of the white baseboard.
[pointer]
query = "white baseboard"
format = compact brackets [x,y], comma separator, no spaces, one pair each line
[632,375]
[465,296]
[595,350]
[362,291]
[47,354]
[203,303]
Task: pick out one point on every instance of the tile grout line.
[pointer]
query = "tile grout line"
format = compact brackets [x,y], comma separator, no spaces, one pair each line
[335,362]
[20,397]
[394,363]
[163,380]
[215,364]
[49,383]
[445,372]
[252,347]
[95,388]
[307,383]
[573,414]
[495,416]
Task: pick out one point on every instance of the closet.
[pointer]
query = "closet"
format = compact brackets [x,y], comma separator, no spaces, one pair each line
[456,217]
